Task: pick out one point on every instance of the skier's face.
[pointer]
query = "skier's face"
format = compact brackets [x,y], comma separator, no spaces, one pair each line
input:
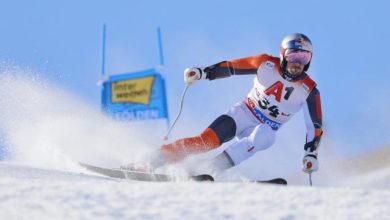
[295,69]
[296,60]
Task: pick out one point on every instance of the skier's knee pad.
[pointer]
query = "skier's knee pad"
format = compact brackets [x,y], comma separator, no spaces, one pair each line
[225,128]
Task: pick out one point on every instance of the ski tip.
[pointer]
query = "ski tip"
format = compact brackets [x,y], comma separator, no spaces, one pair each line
[278,181]
[82,164]
[202,177]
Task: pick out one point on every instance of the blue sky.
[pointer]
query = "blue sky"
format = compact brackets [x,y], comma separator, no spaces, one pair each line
[61,40]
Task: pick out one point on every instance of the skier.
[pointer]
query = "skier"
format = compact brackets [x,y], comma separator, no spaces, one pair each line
[281,88]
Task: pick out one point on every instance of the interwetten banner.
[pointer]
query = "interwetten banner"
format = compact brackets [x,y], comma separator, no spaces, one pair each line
[135,96]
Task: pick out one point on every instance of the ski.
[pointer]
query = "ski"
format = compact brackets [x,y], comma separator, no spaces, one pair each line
[279,181]
[143,176]
[155,177]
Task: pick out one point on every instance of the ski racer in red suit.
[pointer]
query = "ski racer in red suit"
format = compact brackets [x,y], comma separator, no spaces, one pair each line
[281,88]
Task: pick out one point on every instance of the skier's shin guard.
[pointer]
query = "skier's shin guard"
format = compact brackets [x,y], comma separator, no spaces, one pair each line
[222,162]
[181,148]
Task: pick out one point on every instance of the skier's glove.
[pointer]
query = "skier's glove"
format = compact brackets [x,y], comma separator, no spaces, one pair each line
[310,162]
[192,74]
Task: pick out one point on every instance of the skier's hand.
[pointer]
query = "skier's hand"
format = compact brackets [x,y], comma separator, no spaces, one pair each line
[310,163]
[192,74]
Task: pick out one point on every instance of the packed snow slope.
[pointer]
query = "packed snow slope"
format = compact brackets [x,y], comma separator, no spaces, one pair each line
[31,193]
[46,130]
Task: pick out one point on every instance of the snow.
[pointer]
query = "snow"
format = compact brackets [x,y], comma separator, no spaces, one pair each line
[47,131]
[33,193]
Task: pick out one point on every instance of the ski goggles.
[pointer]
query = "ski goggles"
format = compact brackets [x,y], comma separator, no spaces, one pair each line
[297,56]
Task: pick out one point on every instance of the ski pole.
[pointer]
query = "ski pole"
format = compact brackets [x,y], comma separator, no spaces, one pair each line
[310,181]
[179,113]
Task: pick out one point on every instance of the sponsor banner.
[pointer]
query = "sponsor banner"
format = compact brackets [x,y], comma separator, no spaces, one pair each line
[132,90]
[135,96]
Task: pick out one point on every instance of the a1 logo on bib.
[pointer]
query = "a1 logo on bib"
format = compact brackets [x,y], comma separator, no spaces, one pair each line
[276,90]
